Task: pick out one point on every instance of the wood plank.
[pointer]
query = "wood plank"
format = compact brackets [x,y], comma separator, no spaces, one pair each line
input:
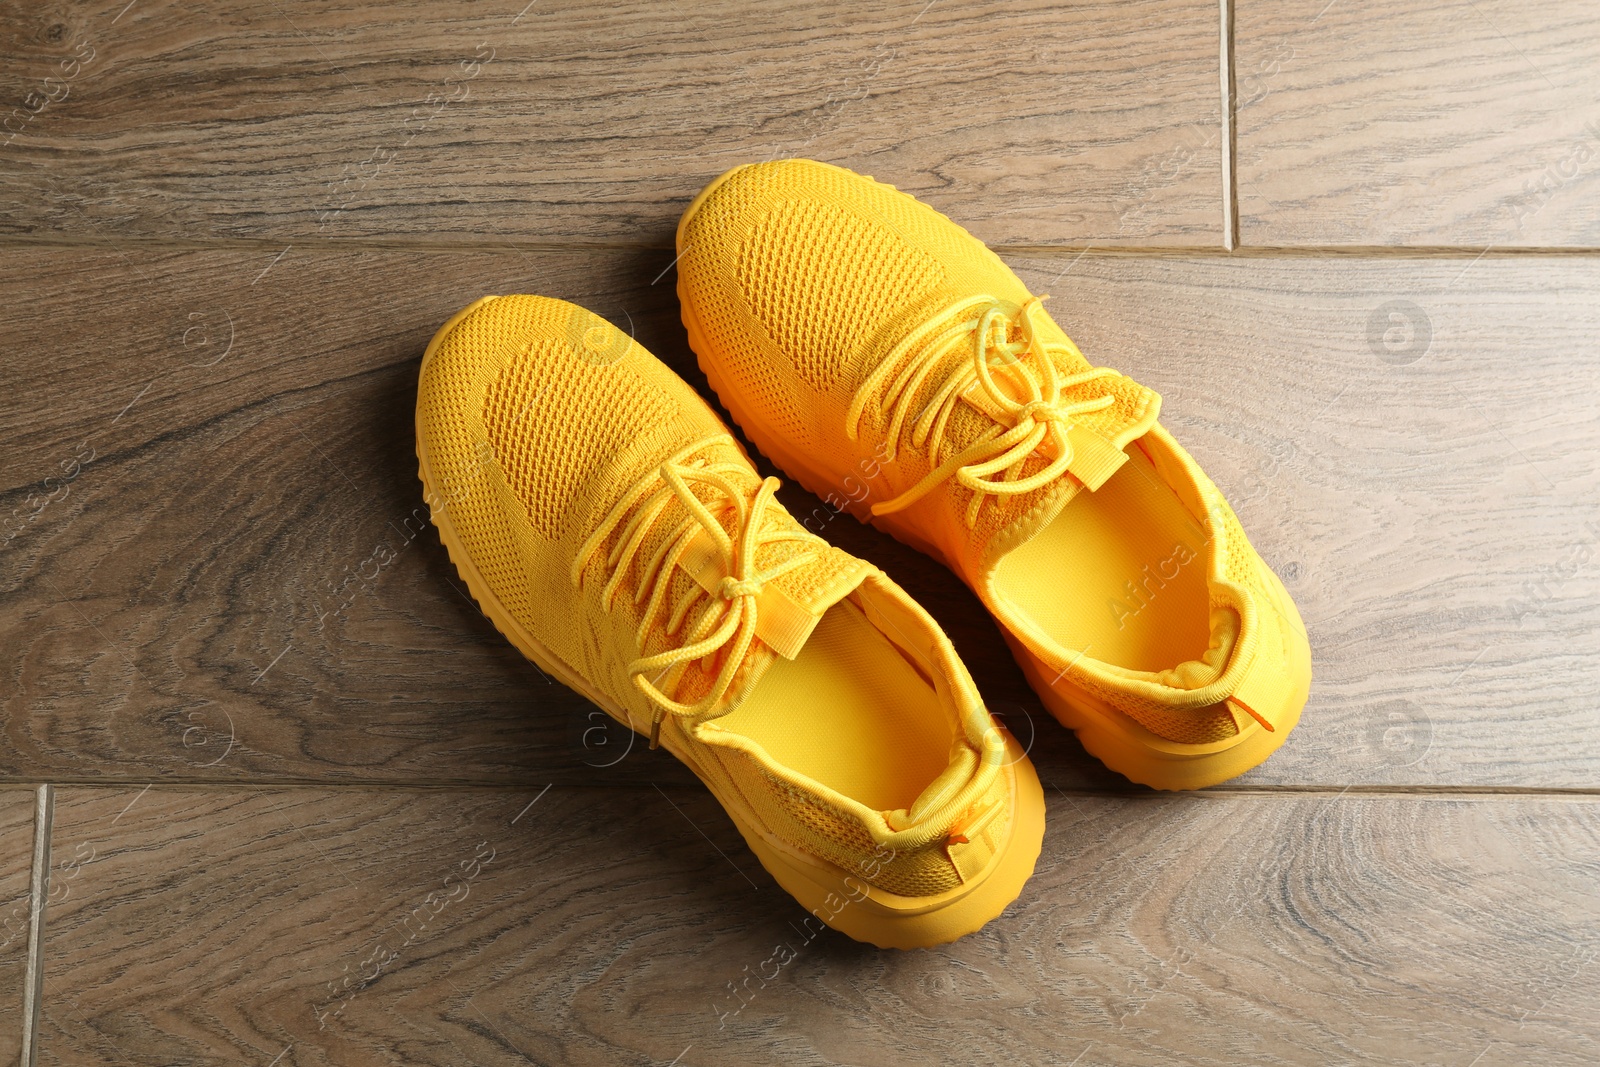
[256,440]
[232,491]
[1417,122]
[188,587]
[1411,446]
[559,121]
[16,872]
[324,926]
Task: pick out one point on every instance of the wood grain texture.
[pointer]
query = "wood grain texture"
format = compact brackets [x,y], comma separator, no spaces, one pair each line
[16,871]
[562,121]
[1418,122]
[318,811]
[1411,445]
[376,927]
[204,599]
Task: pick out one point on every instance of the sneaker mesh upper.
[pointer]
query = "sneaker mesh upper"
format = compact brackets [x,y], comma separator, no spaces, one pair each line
[801,261]
[800,277]
[531,440]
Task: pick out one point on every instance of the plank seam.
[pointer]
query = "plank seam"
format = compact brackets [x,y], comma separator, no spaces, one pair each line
[235,244]
[39,892]
[1447,792]
[16,242]
[1230,183]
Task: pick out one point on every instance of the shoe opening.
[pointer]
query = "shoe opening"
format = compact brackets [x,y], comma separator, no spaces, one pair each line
[853,711]
[1119,574]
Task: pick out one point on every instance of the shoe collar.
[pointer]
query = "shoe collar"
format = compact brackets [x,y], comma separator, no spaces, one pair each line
[1235,607]
[962,789]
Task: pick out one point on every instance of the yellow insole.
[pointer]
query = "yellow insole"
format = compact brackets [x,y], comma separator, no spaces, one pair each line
[1073,578]
[851,713]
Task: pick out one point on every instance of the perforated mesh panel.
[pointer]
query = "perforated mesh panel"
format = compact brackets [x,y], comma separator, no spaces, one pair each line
[823,279]
[836,837]
[580,421]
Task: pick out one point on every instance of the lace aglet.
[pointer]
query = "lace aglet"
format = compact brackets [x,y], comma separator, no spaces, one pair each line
[655,732]
[1248,710]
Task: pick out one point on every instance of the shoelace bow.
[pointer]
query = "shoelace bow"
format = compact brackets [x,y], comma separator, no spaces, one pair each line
[726,621]
[1042,416]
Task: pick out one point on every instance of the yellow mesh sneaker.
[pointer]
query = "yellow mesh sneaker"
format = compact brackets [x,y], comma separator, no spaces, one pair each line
[889,361]
[607,523]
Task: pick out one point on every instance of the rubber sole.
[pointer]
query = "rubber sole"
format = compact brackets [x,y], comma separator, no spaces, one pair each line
[1113,738]
[840,898]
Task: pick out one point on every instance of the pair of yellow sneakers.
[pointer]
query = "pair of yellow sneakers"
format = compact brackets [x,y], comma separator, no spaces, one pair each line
[616,533]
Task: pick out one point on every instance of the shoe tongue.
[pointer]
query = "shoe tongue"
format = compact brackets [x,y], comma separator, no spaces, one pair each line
[788,609]
[788,606]
[1098,439]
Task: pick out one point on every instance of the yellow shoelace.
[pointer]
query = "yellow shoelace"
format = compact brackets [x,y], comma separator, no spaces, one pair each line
[726,622]
[1042,416]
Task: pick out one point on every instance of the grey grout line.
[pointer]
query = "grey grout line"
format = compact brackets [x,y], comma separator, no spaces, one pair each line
[357,245]
[39,894]
[1444,791]
[1309,251]
[1230,140]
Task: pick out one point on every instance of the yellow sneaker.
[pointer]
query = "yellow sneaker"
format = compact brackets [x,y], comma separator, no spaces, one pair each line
[883,356]
[618,536]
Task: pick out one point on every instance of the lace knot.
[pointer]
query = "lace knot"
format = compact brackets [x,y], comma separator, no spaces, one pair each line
[732,588]
[718,627]
[1037,400]
[1042,411]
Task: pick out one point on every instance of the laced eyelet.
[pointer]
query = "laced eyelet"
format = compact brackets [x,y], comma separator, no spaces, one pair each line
[1037,421]
[723,629]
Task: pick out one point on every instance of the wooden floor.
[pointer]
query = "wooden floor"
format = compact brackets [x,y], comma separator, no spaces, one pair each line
[250,722]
